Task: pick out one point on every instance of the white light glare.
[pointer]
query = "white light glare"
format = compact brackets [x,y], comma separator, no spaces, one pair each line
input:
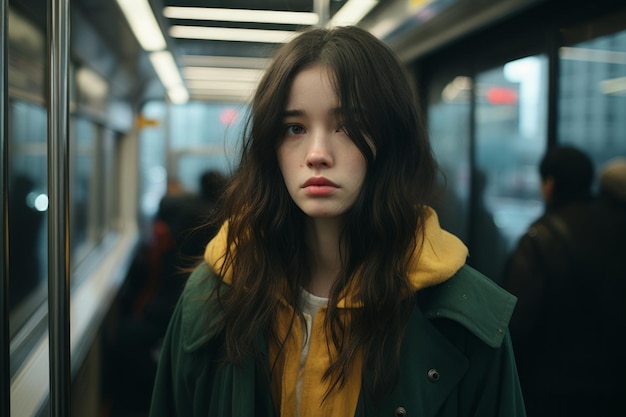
[167,70]
[38,201]
[222,74]
[143,23]
[232,34]
[241,15]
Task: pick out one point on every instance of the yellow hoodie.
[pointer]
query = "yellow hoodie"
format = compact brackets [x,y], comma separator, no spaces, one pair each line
[441,256]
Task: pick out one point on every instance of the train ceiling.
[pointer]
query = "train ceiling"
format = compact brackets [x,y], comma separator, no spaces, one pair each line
[209,44]
[222,46]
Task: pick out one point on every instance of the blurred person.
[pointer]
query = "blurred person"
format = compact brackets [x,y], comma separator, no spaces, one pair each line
[613,183]
[330,289]
[488,251]
[168,215]
[568,274]
[154,284]
[197,228]
[177,239]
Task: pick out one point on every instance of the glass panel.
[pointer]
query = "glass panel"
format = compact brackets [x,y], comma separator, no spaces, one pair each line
[200,136]
[82,186]
[449,121]
[511,131]
[109,182]
[28,204]
[209,133]
[592,106]
[152,160]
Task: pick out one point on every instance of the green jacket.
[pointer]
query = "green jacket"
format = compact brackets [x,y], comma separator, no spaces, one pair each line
[456,359]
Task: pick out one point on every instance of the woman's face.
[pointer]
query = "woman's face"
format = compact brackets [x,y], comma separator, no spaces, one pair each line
[322,168]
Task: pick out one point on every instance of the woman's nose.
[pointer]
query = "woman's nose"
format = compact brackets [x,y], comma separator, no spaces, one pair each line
[319,153]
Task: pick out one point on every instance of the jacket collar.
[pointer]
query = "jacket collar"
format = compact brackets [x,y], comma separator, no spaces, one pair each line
[468,298]
[437,257]
[473,300]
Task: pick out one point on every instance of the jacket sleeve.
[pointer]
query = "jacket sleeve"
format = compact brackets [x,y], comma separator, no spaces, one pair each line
[191,378]
[500,391]
[169,397]
[542,256]
[525,277]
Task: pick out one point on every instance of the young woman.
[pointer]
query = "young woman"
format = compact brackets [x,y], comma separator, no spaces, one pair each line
[330,289]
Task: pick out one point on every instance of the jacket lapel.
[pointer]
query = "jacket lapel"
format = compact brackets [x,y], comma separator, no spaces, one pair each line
[430,369]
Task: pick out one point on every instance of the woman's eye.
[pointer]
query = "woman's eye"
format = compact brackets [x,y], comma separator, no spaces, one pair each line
[294,130]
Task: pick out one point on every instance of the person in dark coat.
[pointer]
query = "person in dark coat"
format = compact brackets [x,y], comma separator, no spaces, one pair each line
[568,274]
[195,224]
[331,289]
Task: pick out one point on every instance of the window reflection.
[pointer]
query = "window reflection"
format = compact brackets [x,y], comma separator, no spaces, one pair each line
[28,204]
[448,121]
[592,105]
[511,131]
[82,184]
[203,136]
[180,142]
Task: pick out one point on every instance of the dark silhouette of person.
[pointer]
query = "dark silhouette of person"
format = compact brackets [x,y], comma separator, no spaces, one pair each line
[568,274]
[487,249]
[180,231]
[24,230]
[197,227]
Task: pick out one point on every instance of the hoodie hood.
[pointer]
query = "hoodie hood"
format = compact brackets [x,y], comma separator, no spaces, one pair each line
[439,258]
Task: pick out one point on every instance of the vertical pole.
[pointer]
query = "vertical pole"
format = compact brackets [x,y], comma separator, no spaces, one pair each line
[5,366]
[472,230]
[322,8]
[58,213]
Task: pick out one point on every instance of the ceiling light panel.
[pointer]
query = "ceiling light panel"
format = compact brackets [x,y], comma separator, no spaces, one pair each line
[143,24]
[224,61]
[242,15]
[231,34]
[226,74]
[195,85]
[165,67]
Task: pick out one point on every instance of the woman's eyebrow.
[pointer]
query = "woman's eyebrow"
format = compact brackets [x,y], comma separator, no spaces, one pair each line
[292,113]
[335,111]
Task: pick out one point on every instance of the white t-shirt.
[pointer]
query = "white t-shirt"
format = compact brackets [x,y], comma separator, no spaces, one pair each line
[310,306]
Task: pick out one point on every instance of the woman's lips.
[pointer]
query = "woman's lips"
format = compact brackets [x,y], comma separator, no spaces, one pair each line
[319,187]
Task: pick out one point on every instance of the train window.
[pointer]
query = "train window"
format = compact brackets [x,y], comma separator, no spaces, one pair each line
[152,159]
[204,136]
[510,137]
[28,204]
[108,183]
[449,111]
[592,118]
[180,142]
[83,186]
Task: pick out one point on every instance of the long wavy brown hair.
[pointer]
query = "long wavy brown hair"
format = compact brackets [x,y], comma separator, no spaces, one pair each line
[266,248]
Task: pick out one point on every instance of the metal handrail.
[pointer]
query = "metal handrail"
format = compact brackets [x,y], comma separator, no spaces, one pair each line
[5,360]
[58,210]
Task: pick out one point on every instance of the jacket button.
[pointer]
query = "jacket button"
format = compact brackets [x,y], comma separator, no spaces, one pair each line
[400,412]
[433,375]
